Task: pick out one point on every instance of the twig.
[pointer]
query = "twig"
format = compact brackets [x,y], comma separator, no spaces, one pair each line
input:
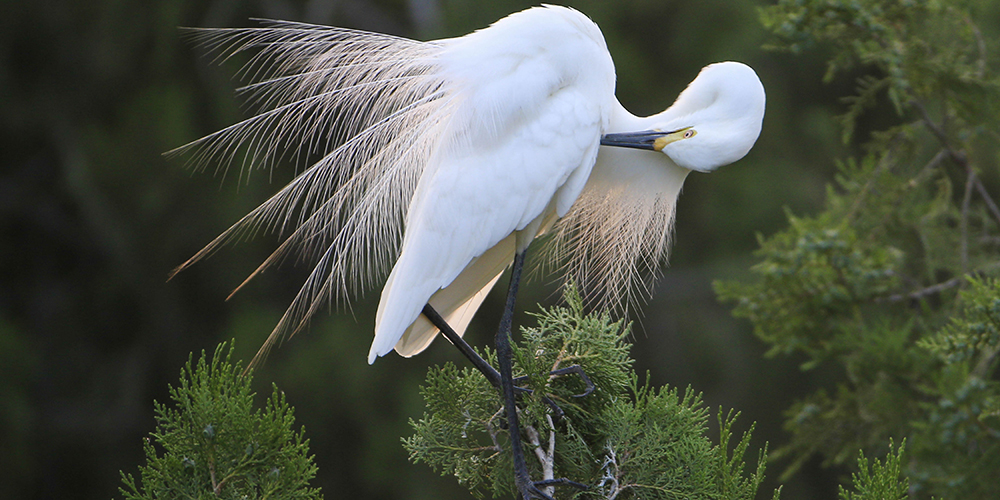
[216,487]
[957,156]
[923,292]
[988,199]
[610,467]
[933,127]
[931,290]
[938,158]
[980,45]
[491,429]
[964,226]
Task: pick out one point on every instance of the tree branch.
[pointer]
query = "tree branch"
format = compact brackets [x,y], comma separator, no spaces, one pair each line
[940,287]
[545,458]
[957,156]
[988,199]
[964,226]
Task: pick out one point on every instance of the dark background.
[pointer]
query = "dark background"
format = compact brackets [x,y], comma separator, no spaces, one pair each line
[93,217]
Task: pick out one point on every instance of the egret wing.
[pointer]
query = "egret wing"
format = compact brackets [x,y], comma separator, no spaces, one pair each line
[475,199]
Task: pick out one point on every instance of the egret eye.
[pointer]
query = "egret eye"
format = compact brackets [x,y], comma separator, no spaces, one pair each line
[689,133]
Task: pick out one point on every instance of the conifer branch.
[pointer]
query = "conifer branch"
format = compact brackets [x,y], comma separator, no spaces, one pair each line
[821,278]
[260,456]
[651,437]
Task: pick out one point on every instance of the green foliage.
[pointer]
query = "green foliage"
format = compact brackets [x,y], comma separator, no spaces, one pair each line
[886,283]
[814,278]
[625,440]
[921,48]
[212,443]
[977,331]
[880,481]
[963,425]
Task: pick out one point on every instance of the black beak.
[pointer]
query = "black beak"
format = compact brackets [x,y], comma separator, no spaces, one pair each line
[636,140]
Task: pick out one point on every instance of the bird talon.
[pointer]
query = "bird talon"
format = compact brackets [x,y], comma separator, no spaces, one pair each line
[562,481]
[533,488]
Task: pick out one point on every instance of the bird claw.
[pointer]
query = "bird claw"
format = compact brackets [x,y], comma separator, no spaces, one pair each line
[532,489]
[562,481]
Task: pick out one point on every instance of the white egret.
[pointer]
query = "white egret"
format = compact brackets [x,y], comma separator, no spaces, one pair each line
[441,161]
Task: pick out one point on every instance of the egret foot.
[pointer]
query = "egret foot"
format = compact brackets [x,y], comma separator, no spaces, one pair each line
[561,482]
[534,489]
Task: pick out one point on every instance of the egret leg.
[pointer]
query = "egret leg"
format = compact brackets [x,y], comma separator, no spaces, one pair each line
[487,370]
[505,360]
[491,373]
[503,380]
[505,354]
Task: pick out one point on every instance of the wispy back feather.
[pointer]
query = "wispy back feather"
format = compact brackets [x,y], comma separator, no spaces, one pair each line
[371,106]
[612,244]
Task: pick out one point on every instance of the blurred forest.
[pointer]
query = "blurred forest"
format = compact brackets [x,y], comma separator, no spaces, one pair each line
[93,217]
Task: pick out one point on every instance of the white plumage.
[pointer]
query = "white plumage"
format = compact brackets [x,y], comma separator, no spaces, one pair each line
[443,158]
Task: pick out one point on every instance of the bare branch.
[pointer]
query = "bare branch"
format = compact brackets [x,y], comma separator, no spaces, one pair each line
[938,158]
[966,200]
[988,199]
[611,473]
[929,122]
[957,156]
[980,45]
[940,287]
[545,458]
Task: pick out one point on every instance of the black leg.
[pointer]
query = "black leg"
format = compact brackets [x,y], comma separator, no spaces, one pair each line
[503,379]
[488,371]
[505,360]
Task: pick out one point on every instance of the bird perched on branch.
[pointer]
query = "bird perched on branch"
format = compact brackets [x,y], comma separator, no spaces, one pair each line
[440,162]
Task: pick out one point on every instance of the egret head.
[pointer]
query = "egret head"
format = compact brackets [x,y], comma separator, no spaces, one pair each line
[714,122]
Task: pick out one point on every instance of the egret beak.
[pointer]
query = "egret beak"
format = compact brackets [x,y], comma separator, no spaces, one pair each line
[652,140]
